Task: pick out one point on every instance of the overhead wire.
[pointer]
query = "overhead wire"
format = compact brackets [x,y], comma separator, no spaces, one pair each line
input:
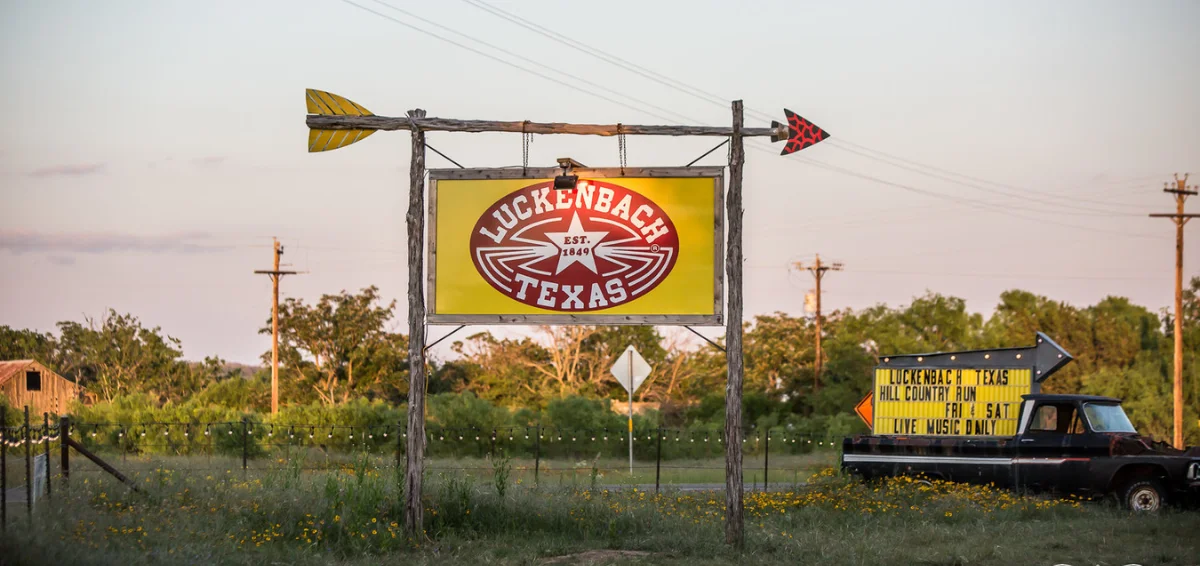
[711,98]
[501,60]
[701,94]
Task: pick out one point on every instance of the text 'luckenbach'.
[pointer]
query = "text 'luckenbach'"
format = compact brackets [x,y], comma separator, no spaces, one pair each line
[582,249]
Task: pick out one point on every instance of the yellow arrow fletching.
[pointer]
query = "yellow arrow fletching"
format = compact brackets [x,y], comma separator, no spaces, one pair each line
[327,103]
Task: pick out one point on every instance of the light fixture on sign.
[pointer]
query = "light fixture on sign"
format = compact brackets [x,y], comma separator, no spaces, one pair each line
[566,181]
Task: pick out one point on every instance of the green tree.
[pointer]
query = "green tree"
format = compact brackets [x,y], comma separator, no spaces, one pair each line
[339,347]
[779,352]
[28,345]
[503,371]
[1021,314]
[116,355]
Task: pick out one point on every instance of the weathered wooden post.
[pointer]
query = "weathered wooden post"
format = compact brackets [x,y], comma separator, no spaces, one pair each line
[46,445]
[413,511]
[28,467]
[537,452]
[734,533]
[64,434]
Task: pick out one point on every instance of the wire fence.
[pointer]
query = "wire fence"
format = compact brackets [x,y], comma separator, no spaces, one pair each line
[256,441]
[535,453]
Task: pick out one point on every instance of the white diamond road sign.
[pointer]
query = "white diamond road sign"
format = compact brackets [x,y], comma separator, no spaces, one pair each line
[631,364]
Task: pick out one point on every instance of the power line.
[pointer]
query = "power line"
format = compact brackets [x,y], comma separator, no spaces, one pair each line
[1041,276]
[709,97]
[526,23]
[1084,211]
[967,201]
[1006,275]
[502,61]
[528,60]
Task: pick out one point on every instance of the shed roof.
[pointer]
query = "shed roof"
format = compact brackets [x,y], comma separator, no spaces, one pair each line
[10,368]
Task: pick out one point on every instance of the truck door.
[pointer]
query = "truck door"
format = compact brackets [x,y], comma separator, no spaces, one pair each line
[1042,450]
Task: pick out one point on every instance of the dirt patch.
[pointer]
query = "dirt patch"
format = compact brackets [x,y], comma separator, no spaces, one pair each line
[598,557]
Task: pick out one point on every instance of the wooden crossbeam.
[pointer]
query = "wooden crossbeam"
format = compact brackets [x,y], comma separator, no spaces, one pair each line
[340,122]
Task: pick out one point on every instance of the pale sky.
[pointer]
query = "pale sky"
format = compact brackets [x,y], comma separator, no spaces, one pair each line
[154,148]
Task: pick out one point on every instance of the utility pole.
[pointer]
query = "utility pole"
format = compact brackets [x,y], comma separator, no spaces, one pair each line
[275,275]
[1181,192]
[818,270]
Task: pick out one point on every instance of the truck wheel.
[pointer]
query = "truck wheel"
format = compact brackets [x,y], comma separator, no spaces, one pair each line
[1144,496]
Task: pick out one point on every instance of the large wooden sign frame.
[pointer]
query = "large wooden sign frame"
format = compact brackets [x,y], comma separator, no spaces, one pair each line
[336,122]
[714,315]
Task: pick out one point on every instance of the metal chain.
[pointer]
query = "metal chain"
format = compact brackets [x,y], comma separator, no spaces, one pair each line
[622,149]
[526,139]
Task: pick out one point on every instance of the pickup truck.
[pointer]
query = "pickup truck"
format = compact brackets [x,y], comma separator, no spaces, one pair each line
[1080,445]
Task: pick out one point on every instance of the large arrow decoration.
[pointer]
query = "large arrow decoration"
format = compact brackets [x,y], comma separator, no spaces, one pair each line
[1045,357]
[335,122]
[800,133]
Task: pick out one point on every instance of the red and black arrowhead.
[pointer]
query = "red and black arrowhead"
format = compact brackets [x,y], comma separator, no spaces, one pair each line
[800,133]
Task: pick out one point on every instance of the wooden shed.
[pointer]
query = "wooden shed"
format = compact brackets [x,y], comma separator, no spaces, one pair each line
[29,383]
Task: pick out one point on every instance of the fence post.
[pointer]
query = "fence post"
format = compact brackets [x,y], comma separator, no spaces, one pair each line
[46,444]
[537,452]
[245,443]
[658,459]
[28,468]
[766,460]
[3,468]
[64,432]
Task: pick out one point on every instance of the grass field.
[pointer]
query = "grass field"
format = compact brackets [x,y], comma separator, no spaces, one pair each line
[353,516]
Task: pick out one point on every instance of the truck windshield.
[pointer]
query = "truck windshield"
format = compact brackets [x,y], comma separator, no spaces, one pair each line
[1107,418]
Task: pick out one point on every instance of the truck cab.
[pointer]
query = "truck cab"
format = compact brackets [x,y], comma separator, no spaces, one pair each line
[1080,445]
